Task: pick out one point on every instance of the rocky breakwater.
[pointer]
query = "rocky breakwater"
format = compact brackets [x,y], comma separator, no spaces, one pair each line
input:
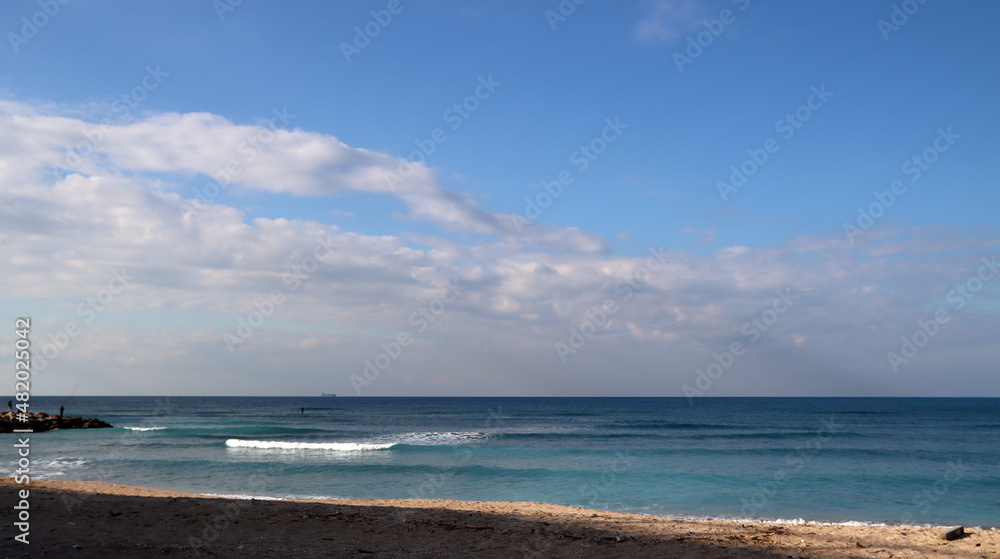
[39,421]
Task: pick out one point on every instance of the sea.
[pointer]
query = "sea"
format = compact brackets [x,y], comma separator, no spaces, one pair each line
[914,461]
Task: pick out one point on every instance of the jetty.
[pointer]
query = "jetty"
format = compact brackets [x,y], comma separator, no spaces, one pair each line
[38,422]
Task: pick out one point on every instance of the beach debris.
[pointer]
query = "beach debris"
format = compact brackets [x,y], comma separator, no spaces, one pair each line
[953,533]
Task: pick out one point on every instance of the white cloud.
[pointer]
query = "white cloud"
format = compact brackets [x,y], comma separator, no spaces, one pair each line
[196,273]
[260,157]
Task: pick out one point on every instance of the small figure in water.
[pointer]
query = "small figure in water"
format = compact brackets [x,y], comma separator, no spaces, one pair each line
[302,410]
[60,411]
[10,406]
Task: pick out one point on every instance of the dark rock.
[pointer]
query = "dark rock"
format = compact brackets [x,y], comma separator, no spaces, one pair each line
[953,533]
[38,422]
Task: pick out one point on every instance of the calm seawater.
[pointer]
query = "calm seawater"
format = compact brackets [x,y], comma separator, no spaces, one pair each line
[892,460]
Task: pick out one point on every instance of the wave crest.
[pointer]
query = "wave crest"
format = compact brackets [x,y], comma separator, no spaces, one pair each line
[437,438]
[290,445]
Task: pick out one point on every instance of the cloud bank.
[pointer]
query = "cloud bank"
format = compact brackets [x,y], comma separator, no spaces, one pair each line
[198,270]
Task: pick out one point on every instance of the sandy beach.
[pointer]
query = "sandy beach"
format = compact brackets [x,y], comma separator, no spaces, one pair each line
[100,520]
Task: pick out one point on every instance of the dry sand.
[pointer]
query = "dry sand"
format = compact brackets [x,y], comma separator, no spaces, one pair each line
[89,519]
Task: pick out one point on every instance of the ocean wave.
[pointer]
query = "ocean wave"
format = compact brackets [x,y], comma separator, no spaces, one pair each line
[63,462]
[428,439]
[230,431]
[143,428]
[765,520]
[294,445]
[782,435]
[787,521]
[435,438]
[47,469]
[246,497]
[242,497]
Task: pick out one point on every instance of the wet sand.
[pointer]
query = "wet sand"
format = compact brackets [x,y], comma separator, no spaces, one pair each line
[99,520]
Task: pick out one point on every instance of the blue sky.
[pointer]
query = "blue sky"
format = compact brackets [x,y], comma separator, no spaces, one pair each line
[893,94]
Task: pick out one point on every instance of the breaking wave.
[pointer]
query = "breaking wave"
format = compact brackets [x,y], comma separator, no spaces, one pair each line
[380,443]
[291,445]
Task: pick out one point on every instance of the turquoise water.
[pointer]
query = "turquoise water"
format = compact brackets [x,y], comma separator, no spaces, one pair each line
[910,461]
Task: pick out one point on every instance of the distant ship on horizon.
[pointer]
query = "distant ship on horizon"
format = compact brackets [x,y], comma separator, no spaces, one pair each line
[329,395]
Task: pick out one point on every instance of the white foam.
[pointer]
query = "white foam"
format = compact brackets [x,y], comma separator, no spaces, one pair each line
[47,469]
[776,520]
[143,428]
[290,445]
[434,438]
[379,443]
[245,497]
[241,497]
[63,462]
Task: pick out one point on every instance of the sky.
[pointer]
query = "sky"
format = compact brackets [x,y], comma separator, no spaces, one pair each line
[688,198]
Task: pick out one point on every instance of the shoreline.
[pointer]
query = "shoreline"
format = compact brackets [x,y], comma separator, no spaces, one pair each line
[110,520]
[684,518]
